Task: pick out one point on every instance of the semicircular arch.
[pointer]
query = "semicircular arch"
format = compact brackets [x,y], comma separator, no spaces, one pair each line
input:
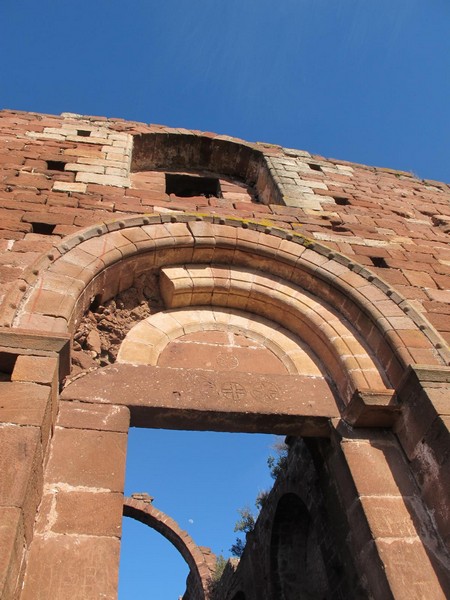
[147,514]
[105,260]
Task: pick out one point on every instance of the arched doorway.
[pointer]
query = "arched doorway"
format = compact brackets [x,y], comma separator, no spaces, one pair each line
[297,567]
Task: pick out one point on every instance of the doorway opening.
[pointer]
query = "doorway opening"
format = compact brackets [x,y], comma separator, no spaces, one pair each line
[199,479]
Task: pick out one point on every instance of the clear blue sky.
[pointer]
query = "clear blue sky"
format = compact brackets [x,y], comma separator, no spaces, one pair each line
[362,80]
[367,81]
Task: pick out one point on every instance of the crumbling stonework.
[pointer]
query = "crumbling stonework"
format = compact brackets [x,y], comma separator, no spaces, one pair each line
[169,278]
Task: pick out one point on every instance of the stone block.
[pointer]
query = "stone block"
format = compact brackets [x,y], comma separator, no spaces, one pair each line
[167,397]
[37,369]
[24,403]
[65,186]
[72,568]
[387,516]
[198,355]
[21,471]
[12,547]
[378,468]
[27,404]
[409,570]
[88,513]
[43,344]
[88,458]
[372,409]
[101,417]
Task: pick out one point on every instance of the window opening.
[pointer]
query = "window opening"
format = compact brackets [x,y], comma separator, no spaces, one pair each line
[379,261]
[186,186]
[315,167]
[7,364]
[83,133]
[55,165]
[43,228]
[341,200]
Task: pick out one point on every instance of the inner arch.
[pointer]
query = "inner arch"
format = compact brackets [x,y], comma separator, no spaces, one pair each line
[200,565]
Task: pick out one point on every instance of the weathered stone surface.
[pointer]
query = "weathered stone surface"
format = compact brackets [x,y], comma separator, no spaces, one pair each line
[45,344]
[19,450]
[238,400]
[409,571]
[389,516]
[12,548]
[72,568]
[38,369]
[21,470]
[25,404]
[88,458]
[391,225]
[93,341]
[198,356]
[83,415]
[378,468]
[88,513]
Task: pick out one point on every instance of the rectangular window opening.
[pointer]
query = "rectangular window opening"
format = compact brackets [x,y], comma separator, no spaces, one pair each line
[55,165]
[7,364]
[341,200]
[379,261]
[83,133]
[187,186]
[43,228]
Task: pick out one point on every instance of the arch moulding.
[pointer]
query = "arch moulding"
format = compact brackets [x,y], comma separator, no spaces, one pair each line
[362,330]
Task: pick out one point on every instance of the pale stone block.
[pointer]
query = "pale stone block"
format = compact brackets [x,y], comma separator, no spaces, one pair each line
[112,180]
[116,171]
[89,139]
[146,333]
[84,168]
[67,186]
[137,353]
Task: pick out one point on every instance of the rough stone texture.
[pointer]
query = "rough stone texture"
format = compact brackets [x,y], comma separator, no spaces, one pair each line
[75,567]
[11,555]
[21,469]
[88,459]
[26,404]
[87,513]
[179,398]
[78,415]
[365,212]
[105,326]
[343,271]
[186,354]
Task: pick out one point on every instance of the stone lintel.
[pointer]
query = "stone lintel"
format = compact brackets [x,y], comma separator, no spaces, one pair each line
[208,400]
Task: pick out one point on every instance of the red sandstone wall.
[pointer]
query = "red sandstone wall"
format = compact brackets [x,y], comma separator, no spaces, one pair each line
[390,221]
[59,175]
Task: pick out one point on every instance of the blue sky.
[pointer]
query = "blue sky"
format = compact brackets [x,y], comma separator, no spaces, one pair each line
[367,81]
[361,80]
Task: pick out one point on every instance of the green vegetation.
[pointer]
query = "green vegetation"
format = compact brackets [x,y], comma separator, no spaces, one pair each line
[246,524]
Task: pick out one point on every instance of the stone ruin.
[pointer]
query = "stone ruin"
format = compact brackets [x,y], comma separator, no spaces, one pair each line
[165,278]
